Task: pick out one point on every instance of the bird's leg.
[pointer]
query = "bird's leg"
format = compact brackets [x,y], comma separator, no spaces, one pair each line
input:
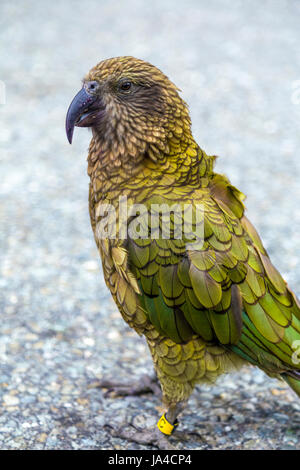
[146,384]
[158,437]
[173,412]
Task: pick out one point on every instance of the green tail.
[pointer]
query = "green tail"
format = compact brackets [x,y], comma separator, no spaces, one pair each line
[293,383]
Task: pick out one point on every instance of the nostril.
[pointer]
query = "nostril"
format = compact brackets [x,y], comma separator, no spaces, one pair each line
[92,86]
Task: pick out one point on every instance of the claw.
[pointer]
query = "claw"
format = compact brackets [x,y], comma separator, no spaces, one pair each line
[147,384]
[144,437]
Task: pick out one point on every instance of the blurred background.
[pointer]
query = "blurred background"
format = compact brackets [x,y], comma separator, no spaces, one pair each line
[237,63]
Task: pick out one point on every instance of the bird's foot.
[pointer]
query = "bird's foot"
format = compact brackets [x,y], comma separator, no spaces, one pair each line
[144,437]
[154,437]
[146,384]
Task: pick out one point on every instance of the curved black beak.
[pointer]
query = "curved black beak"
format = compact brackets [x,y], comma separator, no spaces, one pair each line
[79,110]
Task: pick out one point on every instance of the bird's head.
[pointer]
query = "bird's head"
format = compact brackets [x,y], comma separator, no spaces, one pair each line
[132,107]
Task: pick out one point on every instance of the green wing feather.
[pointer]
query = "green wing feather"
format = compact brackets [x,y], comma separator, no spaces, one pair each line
[222,287]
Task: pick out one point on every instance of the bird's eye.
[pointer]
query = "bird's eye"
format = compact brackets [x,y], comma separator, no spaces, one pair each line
[125,86]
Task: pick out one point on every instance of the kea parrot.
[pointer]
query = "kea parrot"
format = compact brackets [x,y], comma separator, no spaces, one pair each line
[185,266]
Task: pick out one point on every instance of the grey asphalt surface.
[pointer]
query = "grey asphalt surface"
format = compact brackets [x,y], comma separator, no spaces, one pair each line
[238,65]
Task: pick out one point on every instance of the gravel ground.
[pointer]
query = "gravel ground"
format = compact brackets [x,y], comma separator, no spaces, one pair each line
[237,63]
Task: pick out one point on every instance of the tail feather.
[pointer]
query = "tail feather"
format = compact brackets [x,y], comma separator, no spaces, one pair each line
[293,382]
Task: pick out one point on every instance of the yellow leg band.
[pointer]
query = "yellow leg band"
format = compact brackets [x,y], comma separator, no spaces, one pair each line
[165,427]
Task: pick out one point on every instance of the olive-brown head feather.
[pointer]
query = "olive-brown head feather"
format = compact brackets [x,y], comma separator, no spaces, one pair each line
[140,111]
